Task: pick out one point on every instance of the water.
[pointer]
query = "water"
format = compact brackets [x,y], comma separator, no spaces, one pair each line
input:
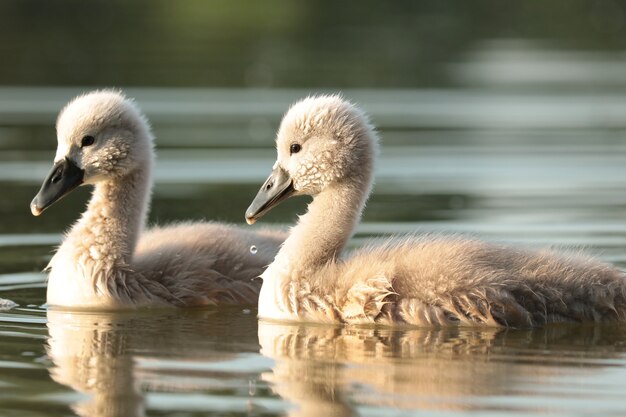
[540,169]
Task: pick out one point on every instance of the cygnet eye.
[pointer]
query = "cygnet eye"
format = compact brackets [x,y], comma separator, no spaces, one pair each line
[294,148]
[87,141]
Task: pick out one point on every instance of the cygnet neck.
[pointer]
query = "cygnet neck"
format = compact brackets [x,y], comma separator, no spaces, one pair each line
[323,232]
[116,215]
[319,238]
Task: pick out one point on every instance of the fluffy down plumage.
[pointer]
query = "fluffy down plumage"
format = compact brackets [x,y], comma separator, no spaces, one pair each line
[326,148]
[107,259]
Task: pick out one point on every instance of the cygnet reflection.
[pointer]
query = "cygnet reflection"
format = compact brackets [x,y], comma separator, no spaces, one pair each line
[328,371]
[116,357]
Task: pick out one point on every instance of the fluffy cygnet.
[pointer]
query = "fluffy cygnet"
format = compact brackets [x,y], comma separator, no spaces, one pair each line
[326,148]
[107,259]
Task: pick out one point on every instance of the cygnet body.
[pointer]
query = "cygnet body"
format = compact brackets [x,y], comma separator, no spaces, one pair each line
[326,148]
[107,259]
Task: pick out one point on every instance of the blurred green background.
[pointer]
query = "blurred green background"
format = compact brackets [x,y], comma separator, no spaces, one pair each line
[308,43]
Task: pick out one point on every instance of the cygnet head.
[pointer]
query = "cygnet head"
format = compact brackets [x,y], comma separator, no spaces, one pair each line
[322,142]
[101,136]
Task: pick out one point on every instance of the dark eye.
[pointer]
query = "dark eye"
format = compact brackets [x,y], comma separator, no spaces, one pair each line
[294,148]
[87,141]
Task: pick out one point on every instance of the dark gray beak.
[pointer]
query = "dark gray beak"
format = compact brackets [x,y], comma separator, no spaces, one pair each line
[276,189]
[63,178]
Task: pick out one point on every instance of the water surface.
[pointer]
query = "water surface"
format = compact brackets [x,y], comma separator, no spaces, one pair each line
[486,164]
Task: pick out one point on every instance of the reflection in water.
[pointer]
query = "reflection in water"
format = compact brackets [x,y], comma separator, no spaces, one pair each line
[114,357]
[91,357]
[324,371]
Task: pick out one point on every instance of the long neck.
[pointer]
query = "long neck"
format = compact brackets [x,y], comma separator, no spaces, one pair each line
[114,218]
[322,233]
[317,239]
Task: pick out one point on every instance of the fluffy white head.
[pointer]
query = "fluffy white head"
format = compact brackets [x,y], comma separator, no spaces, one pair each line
[105,134]
[324,140]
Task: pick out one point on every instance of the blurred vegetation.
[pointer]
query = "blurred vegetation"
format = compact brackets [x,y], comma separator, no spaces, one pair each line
[279,43]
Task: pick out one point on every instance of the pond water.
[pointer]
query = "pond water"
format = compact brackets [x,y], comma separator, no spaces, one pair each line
[532,169]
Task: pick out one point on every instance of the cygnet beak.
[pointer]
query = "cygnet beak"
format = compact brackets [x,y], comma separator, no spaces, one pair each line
[63,178]
[277,188]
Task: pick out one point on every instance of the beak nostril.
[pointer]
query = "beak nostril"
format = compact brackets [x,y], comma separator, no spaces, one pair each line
[269,185]
[58,175]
